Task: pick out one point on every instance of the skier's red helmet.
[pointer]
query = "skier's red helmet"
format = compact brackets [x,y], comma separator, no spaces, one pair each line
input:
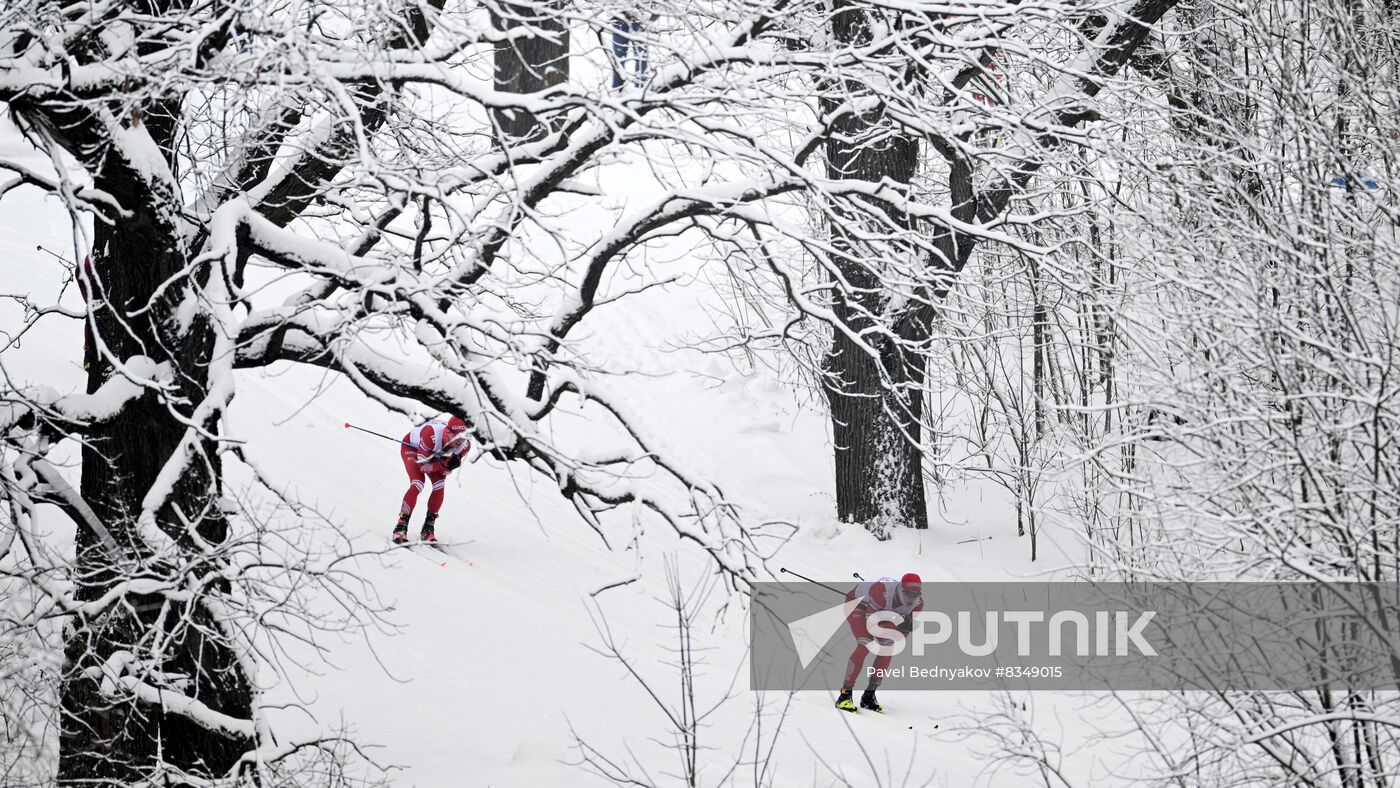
[910,586]
[454,434]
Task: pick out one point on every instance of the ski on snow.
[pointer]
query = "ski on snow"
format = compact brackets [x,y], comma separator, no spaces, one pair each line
[442,548]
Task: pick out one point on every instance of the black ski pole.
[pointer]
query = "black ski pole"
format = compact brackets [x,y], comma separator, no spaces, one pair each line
[810,580]
[857,576]
[53,254]
[350,426]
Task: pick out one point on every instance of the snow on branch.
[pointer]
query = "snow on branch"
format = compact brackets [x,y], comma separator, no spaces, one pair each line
[119,683]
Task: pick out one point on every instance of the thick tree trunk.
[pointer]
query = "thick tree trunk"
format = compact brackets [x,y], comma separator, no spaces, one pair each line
[530,63]
[879,466]
[876,406]
[102,741]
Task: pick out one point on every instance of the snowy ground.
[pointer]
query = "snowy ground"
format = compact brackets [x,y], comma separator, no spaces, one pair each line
[487,666]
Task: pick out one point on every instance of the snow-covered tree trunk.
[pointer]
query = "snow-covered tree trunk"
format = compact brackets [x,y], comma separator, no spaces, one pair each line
[135,260]
[876,403]
[146,478]
[876,433]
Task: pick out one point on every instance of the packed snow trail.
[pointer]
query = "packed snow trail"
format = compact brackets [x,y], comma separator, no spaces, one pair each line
[497,642]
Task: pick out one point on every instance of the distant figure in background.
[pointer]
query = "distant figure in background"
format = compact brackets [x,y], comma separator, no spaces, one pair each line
[905,597]
[1354,182]
[430,451]
[629,51]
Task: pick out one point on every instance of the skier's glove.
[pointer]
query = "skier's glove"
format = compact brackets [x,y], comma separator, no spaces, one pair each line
[907,625]
[453,463]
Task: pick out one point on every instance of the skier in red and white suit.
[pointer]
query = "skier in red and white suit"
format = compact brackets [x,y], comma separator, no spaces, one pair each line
[430,451]
[905,597]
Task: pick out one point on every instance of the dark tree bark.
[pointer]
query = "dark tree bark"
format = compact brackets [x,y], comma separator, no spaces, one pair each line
[876,406]
[109,737]
[103,741]
[532,62]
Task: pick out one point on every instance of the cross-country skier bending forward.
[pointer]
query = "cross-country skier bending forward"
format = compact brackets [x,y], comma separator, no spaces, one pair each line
[905,597]
[430,451]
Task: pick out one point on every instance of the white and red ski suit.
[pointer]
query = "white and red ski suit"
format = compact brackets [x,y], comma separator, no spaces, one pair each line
[873,596]
[425,452]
